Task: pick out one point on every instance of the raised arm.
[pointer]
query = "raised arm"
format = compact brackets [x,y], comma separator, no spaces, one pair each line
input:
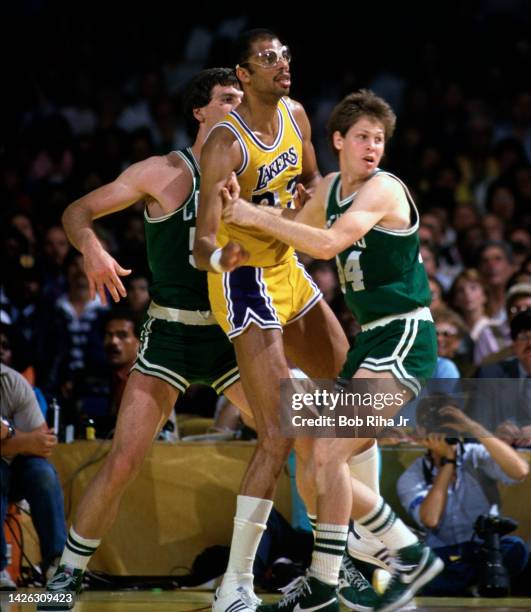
[220,156]
[154,177]
[432,508]
[507,458]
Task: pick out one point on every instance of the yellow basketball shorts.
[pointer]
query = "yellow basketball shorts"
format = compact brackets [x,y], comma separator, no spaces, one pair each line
[268,297]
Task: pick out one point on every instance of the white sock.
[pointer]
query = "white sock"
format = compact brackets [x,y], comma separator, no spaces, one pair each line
[328,550]
[365,467]
[382,522]
[249,524]
[78,550]
[312,518]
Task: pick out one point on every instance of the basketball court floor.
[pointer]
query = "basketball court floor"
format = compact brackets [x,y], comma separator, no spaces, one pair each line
[200,601]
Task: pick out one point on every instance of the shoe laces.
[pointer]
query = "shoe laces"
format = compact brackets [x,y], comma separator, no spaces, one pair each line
[249,598]
[352,575]
[398,567]
[292,591]
[63,574]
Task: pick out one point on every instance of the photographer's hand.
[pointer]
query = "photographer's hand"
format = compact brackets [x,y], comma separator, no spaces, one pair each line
[434,504]
[439,447]
[462,423]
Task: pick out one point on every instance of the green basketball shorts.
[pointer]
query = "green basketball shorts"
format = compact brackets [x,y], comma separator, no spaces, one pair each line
[405,347]
[185,354]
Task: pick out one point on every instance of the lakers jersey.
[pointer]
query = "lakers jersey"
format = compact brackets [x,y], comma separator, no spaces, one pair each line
[268,175]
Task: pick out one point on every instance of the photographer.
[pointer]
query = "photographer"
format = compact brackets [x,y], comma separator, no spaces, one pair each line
[450,487]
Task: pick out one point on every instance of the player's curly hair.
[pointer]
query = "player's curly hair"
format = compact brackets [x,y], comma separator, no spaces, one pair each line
[362,103]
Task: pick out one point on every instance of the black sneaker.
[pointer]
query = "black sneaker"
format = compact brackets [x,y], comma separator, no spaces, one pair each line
[66,585]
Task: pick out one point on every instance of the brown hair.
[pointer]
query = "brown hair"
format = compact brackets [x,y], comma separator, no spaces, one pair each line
[362,103]
[470,275]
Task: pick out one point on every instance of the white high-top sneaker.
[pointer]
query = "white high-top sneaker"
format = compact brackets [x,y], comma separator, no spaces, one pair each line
[369,549]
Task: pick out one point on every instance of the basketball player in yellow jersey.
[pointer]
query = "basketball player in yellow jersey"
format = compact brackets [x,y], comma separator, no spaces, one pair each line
[260,294]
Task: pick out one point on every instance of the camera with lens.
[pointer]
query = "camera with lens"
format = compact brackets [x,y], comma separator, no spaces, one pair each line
[493,576]
[429,416]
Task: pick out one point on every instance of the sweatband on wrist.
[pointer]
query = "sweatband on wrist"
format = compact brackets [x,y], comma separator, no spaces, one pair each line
[215,261]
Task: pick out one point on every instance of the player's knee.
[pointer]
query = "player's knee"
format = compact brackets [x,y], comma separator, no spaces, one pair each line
[303,449]
[324,458]
[123,467]
[276,448]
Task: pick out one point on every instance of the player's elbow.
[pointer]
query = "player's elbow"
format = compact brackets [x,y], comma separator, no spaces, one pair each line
[67,215]
[75,213]
[325,249]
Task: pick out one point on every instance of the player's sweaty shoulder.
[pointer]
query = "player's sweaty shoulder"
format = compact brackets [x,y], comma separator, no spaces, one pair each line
[223,147]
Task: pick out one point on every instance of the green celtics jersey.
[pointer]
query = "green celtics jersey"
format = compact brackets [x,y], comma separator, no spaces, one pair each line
[177,283]
[382,274]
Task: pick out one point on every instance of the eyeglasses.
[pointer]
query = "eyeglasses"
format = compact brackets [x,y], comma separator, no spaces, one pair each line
[269,58]
[446,333]
[524,337]
[513,310]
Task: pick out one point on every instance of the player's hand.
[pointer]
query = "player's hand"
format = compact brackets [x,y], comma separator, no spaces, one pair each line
[301,196]
[103,271]
[233,255]
[233,187]
[236,211]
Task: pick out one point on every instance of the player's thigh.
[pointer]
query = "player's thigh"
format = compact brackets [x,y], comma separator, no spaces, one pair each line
[316,342]
[385,382]
[146,405]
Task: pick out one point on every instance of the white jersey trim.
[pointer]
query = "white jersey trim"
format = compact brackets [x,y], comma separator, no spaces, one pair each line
[292,119]
[251,135]
[243,146]
[188,199]
[397,232]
